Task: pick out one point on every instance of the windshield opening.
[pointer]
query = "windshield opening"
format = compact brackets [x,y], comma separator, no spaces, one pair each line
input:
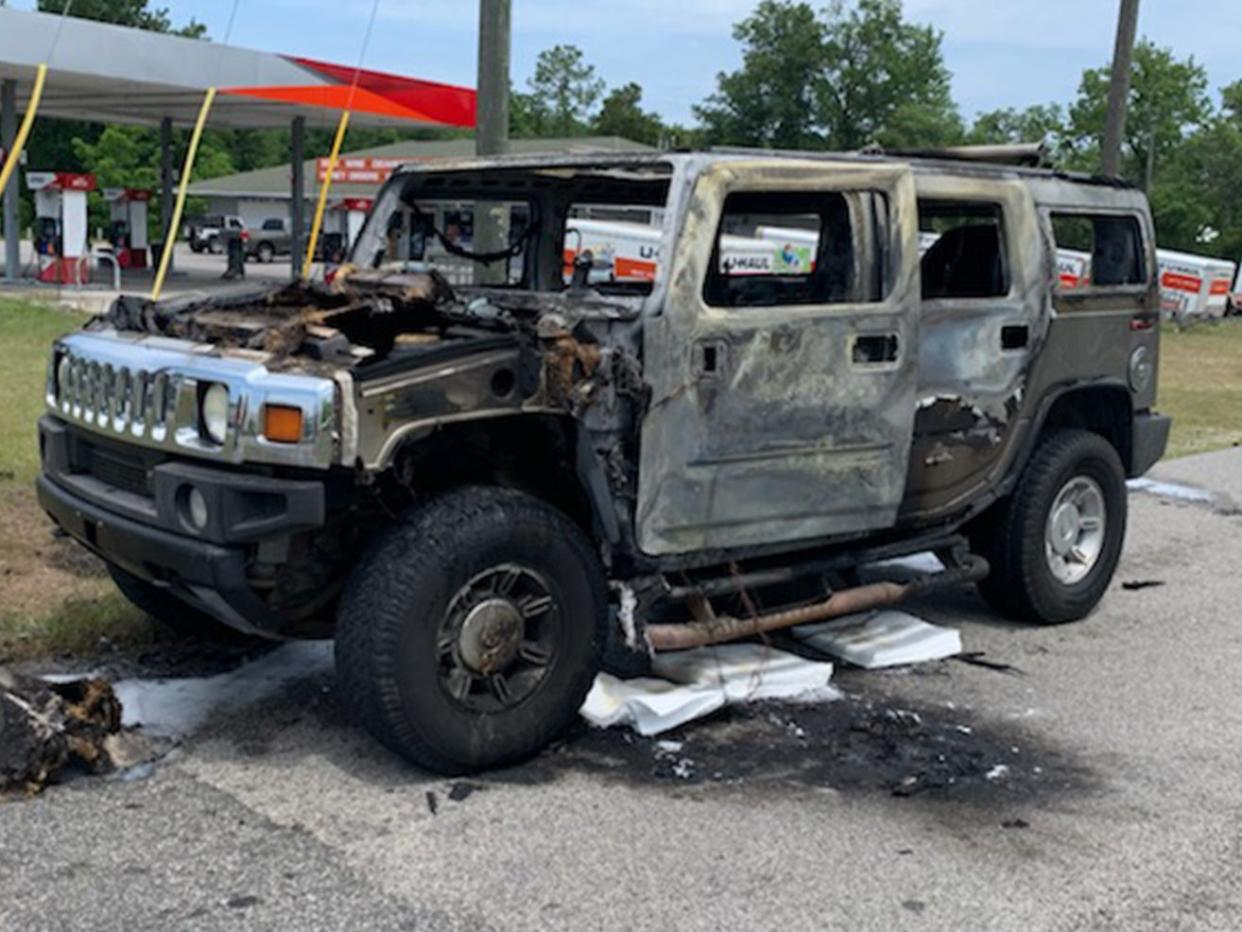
[540,229]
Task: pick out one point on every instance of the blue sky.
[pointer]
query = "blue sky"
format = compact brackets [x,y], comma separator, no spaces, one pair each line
[1001,52]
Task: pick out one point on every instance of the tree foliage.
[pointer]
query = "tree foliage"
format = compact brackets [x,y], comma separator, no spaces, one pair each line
[1168,98]
[564,90]
[842,79]
[622,114]
[771,100]
[135,13]
[884,79]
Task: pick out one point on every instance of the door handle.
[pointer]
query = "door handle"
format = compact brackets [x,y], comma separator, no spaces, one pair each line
[708,358]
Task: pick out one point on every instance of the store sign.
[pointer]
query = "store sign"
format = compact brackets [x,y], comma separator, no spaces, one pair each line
[358,170]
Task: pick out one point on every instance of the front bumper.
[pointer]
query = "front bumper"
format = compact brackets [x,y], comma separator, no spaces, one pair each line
[149,535]
[1151,438]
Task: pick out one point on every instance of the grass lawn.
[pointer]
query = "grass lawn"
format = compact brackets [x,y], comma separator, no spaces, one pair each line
[54,597]
[1201,386]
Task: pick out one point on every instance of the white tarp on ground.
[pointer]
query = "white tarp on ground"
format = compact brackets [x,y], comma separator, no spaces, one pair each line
[1188,493]
[695,683]
[883,638]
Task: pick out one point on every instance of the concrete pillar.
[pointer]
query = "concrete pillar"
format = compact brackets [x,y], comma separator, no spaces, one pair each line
[297,193]
[8,132]
[167,188]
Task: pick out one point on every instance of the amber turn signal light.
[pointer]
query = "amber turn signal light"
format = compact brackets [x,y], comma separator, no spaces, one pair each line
[282,424]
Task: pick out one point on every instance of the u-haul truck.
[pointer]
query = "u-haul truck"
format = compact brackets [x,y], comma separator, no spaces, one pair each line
[1193,286]
[631,251]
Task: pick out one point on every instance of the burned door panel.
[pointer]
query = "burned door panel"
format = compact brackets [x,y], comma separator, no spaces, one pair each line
[782,409]
[985,314]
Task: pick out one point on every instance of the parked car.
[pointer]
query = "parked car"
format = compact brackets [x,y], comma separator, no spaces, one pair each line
[272,239]
[478,489]
[210,233]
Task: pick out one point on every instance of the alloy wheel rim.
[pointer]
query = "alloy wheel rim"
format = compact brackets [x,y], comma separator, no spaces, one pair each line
[1075,530]
[497,640]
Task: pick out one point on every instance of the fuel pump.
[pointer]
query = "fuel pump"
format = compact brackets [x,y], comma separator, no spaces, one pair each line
[61,241]
[128,230]
[341,227]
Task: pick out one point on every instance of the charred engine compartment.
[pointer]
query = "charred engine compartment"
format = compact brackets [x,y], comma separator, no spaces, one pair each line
[437,375]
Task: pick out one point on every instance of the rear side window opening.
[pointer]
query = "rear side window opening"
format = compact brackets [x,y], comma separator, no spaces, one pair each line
[962,245]
[796,248]
[1101,250]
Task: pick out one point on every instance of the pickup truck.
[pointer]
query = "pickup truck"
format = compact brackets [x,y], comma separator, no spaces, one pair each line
[272,239]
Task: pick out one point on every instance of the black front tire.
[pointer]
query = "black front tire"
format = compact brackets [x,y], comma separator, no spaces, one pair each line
[177,616]
[1014,534]
[392,650]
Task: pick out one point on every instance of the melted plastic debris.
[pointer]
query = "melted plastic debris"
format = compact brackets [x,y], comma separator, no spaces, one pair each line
[887,638]
[695,683]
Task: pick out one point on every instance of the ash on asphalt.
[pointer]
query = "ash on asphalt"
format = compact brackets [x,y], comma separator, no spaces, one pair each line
[857,745]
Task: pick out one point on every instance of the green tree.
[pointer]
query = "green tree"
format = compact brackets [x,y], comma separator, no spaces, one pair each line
[883,77]
[1000,127]
[1195,195]
[135,13]
[564,90]
[622,114]
[1168,99]
[770,101]
[849,77]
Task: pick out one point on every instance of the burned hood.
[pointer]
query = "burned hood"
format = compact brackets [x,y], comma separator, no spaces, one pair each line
[356,322]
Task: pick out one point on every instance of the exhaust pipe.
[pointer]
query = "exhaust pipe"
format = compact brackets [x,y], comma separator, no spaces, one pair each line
[665,637]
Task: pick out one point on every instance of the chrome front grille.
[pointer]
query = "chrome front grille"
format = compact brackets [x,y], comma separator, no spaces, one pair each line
[121,399]
[145,391]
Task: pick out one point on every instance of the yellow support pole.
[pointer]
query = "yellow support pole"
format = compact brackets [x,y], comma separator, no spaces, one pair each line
[170,235]
[23,132]
[324,188]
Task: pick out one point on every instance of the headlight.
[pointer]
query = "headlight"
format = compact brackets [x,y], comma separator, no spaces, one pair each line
[214,413]
[61,377]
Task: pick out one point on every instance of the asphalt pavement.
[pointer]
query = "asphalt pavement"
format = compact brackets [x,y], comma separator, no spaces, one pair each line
[1078,777]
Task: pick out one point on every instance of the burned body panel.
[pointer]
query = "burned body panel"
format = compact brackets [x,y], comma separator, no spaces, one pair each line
[975,355]
[776,422]
[734,408]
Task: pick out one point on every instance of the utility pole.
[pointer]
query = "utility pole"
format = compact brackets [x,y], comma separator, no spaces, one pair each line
[491,220]
[1119,89]
[492,123]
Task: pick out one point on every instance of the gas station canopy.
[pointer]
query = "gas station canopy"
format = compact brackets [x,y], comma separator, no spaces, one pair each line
[113,74]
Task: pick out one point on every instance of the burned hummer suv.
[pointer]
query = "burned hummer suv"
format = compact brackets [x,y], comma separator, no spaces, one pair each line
[563,407]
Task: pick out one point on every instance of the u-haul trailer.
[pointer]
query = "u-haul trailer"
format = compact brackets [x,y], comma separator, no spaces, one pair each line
[1193,286]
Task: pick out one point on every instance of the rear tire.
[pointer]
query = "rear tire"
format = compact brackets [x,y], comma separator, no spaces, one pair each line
[266,253]
[470,633]
[1054,544]
[177,616]
[214,246]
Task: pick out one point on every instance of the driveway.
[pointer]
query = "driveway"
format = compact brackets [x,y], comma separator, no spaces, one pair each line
[1110,795]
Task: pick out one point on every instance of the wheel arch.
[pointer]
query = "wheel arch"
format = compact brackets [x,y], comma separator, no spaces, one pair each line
[1103,407]
[548,456]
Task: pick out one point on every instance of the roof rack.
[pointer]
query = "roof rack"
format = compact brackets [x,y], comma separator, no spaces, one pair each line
[1021,155]
[1028,154]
